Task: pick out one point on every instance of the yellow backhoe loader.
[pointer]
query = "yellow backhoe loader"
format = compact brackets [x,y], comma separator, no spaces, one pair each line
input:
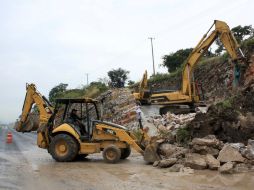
[188,95]
[67,138]
[143,96]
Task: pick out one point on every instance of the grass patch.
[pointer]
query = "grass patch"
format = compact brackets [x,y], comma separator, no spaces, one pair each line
[183,136]
[227,103]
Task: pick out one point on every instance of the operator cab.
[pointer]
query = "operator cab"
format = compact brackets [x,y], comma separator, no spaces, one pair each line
[79,114]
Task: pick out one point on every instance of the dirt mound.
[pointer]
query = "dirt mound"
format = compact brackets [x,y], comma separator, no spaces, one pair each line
[225,123]
[231,120]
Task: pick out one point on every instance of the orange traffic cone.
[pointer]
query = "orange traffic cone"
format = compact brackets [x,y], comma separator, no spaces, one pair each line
[9,138]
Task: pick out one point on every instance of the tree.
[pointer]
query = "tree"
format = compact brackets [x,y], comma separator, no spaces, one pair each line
[174,60]
[56,91]
[118,77]
[104,80]
[101,86]
[240,33]
[130,82]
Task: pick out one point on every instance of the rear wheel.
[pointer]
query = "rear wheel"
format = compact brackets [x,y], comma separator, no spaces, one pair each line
[111,154]
[125,153]
[63,148]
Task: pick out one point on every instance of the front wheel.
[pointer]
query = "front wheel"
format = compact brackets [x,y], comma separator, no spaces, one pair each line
[111,154]
[63,148]
[125,153]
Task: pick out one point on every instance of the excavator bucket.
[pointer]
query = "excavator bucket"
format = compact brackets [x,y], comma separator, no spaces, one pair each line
[31,124]
[151,151]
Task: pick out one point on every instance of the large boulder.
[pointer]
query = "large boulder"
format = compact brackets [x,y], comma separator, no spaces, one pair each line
[249,151]
[212,163]
[230,154]
[167,149]
[209,141]
[205,150]
[167,163]
[172,151]
[176,168]
[227,168]
[241,167]
[195,161]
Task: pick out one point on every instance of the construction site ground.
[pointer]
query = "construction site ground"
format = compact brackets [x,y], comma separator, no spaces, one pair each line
[25,166]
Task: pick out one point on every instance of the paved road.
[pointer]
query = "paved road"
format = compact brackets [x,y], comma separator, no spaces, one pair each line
[24,166]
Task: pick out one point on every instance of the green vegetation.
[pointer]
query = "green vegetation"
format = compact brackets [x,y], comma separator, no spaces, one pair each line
[159,77]
[248,44]
[173,61]
[92,91]
[95,89]
[241,33]
[131,82]
[205,61]
[118,77]
[165,134]
[56,91]
[227,103]
[183,136]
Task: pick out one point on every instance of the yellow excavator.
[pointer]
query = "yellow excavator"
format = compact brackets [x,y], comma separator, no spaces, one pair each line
[188,95]
[143,96]
[66,137]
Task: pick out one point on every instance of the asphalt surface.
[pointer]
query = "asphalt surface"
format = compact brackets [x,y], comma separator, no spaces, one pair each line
[25,166]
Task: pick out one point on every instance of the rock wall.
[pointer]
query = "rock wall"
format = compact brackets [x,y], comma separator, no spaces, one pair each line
[118,106]
[232,120]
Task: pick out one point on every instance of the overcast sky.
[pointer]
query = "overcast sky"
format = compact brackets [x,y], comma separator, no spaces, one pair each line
[52,41]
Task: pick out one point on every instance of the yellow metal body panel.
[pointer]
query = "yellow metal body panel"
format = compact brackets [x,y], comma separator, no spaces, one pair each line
[143,86]
[136,96]
[119,135]
[119,144]
[67,129]
[89,148]
[41,140]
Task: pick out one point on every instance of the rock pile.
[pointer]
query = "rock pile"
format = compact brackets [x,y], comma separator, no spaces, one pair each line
[169,123]
[207,153]
[206,145]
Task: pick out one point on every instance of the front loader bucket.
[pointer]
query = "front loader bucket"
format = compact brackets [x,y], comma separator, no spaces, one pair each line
[150,153]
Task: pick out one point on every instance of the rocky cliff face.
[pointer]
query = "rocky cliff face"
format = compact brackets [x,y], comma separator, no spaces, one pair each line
[231,120]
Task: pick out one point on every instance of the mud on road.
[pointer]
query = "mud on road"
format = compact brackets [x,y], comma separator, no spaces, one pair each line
[25,166]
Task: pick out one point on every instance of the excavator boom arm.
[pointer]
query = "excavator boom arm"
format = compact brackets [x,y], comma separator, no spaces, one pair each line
[223,32]
[143,85]
[34,97]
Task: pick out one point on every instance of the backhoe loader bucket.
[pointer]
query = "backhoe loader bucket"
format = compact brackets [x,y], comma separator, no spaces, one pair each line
[151,151]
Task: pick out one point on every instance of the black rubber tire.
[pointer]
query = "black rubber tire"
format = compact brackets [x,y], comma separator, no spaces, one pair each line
[81,157]
[125,153]
[111,151]
[71,148]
